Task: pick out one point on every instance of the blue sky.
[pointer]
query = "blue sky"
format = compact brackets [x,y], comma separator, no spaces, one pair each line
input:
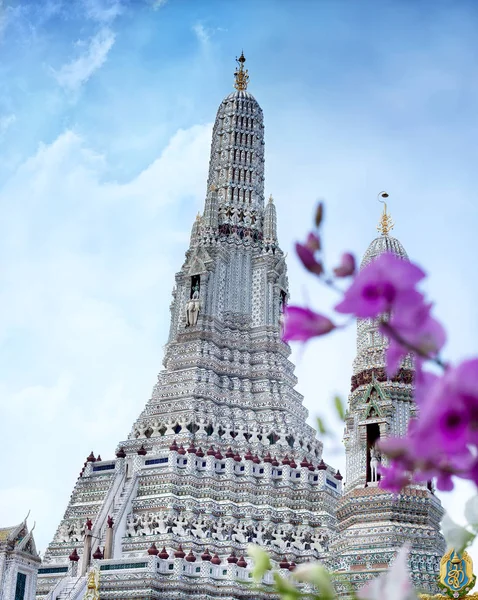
[106,109]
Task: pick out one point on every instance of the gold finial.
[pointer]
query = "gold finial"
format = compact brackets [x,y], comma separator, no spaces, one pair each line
[198,217]
[455,560]
[385,225]
[213,187]
[241,75]
[271,199]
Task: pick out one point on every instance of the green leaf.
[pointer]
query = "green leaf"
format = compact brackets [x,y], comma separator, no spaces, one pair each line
[339,407]
[321,426]
[262,562]
[318,575]
[285,588]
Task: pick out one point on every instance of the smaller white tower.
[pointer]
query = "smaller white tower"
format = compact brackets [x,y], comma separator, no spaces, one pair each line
[373,523]
[270,222]
[19,562]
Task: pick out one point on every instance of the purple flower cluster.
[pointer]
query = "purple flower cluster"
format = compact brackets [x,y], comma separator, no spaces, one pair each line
[443,441]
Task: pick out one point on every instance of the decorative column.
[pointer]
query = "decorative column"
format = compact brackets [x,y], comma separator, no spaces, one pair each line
[108,553]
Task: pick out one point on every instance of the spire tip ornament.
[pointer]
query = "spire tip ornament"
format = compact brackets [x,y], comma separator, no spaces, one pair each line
[385,225]
[241,75]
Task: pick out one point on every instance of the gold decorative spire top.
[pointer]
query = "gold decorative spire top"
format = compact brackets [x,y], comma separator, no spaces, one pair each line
[385,225]
[241,75]
[271,199]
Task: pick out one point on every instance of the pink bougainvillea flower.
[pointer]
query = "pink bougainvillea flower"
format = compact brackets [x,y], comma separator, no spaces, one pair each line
[306,253]
[395,584]
[301,324]
[384,283]
[412,326]
[346,267]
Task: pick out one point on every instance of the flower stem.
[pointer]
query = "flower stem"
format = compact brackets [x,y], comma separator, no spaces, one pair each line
[392,333]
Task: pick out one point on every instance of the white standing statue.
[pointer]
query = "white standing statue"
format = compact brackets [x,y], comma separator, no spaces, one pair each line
[192,309]
[374,462]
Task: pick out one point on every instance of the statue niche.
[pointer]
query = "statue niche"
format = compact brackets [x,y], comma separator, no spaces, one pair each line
[193,304]
[282,307]
[373,454]
[373,437]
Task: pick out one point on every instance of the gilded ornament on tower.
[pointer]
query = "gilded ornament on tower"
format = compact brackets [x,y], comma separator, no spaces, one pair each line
[241,75]
[93,585]
[385,224]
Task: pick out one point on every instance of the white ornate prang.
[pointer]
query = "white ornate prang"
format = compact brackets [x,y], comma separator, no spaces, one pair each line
[372,523]
[222,456]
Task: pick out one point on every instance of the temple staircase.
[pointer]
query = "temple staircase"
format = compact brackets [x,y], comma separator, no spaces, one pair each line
[72,590]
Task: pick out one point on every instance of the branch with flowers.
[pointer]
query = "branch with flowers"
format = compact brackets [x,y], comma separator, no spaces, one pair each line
[442,442]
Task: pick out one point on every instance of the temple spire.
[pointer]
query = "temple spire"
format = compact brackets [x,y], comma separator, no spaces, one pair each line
[241,75]
[270,221]
[385,225]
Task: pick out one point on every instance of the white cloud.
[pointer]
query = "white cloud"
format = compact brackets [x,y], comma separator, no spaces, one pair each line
[157,4]
[202,34]
[103,10]
[74,74]
[5,122]
[84,296]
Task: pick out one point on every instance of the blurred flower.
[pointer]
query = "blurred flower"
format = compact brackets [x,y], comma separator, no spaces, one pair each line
[386,282]
[394,477]
[346,267]
[395,584]
[306,253]
[442,441]
[471,511]
[414,328]
[301,324]
[449,412]
[456,536]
